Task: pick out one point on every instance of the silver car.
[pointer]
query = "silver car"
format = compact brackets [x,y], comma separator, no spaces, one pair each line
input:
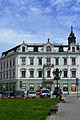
[32,94]
[45,92]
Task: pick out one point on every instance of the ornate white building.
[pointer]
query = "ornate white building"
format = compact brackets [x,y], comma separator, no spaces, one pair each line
[25,66]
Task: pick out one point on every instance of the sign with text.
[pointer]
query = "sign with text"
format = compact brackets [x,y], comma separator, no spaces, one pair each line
[77,83]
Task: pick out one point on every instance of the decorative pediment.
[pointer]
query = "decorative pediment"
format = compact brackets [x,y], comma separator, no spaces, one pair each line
[48,47]
[23,47]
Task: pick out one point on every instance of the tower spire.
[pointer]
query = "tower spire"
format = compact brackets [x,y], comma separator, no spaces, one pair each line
[71,38]
[72,29]
[48,39]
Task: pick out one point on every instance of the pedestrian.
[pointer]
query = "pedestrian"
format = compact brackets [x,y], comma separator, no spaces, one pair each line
[62,98]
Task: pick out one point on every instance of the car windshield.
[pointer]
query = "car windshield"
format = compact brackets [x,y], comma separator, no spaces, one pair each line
[45,91]
[4,93]
[19,93]
[37,90]
[32,92]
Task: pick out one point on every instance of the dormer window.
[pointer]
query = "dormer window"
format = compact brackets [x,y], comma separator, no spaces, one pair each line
[48,48]
[73,49]
[23,49]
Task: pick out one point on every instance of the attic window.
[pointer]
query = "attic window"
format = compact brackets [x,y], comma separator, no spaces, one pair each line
[23,49]
[48,48]
[35,49]
[61,49]
[73,49]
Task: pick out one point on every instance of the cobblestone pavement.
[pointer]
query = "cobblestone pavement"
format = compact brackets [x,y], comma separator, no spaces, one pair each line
[69,110]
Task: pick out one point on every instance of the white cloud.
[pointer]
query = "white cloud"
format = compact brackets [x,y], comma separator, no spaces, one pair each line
[34,10]
[61,40]
[14,37]
[48,9]
[55,2]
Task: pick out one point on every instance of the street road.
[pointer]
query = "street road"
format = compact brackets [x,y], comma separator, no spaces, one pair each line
[69,110]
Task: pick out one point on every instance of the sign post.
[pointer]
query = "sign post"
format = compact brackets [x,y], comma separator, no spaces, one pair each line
[77,84]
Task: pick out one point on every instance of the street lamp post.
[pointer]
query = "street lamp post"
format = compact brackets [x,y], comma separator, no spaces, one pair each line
[57,73]
[43,83]
[45,66]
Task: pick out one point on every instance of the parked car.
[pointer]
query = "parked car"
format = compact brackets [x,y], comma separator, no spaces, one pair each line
[18,94]
[32,94]
[45,92]
[5,95]
[37,92]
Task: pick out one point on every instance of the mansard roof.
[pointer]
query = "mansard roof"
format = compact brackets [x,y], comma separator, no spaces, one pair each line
[12,49]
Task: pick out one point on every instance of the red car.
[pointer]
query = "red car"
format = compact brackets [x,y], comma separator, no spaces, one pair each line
[37,92]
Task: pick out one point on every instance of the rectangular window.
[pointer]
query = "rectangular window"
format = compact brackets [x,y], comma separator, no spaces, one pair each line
[73,74]
[23,86]
[39,86]
[48,86]
[39,61]
[1,75]
[23,61]
[73,87]
[14,73]
[65,61]
[39,73]
[4,75]
[48,61]
[73,61]
[31,87]
[31,61]
[31,74]
[10,74]
[23,74]
[14,62]
[4,64]
[65,87]
[1,65]
[10,63]
[48,73]
[65,74]
[7,74]
[57,86]
[56,61]
[7,64]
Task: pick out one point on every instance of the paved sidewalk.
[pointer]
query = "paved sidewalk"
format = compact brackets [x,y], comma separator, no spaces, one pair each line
[69,110]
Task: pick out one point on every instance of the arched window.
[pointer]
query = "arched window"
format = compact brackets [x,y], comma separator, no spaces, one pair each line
[48,48]
[23,49]
[73,49]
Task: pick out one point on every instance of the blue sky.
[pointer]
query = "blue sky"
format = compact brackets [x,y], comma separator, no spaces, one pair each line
[37,20]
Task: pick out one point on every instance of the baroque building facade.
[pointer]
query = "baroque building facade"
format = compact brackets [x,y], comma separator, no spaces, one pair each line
[26,66]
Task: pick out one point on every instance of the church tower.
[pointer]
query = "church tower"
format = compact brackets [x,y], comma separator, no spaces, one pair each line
[71,38]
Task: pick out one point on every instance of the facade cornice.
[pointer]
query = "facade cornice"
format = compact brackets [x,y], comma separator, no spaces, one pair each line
[40,53]
[50,53]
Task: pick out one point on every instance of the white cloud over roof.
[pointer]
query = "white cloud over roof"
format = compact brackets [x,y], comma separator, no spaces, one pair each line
[37,20]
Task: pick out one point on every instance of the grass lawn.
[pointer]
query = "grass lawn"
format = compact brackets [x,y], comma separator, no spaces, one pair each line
[25,109]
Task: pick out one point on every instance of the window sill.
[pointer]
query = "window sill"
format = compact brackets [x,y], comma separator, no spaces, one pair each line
[47,77]
[31,77]
[65,77]
[72,77]
[23,77]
